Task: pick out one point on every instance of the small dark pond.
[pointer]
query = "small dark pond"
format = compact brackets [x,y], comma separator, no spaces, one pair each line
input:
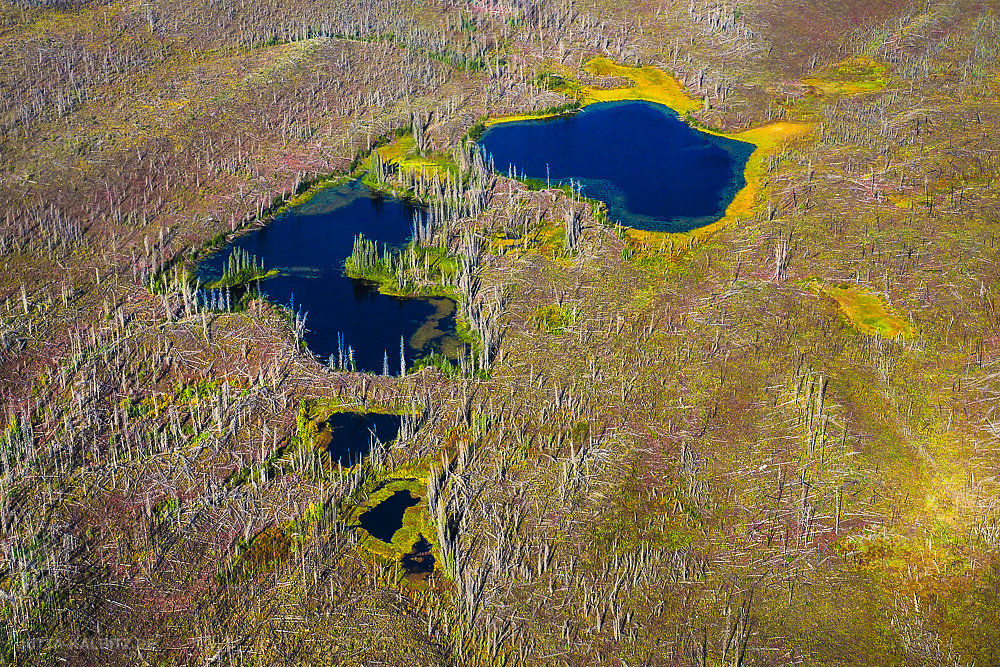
[419,562]
[652,170]
[353,434]
[383,520]
[308,245]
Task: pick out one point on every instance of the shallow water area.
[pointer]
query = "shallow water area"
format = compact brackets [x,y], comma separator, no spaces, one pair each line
[653,171]
[383,520]
[346,318]
[419,562]
[354,433]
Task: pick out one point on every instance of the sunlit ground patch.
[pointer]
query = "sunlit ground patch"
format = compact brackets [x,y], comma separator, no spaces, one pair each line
[650,84]
[849,77]
[866,312]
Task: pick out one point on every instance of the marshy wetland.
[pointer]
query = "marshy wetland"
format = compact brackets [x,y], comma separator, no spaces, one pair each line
[396,522]
[348,322]
[767,440]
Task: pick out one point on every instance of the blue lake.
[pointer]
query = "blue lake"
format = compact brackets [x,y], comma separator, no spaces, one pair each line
[308,245]
[653,171]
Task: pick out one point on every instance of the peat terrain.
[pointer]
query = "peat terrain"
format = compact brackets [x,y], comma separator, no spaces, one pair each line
[768,440]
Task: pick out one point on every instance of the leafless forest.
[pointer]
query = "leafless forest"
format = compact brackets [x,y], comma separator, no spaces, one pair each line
[678,453]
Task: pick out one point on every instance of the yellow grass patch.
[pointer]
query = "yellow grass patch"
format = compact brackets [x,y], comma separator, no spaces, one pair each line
[650,84]
[865,311]
[553,319]
[403,153]
[902,201]
[82,20]
[849,77]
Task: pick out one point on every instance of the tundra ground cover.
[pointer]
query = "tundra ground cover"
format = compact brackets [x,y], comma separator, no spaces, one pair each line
[708,465]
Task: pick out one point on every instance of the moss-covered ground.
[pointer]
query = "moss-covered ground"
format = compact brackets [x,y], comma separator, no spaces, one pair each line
[864,310]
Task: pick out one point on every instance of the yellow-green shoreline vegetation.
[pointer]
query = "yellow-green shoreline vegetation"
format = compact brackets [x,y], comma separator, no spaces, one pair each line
[404,154]
[551,112]
[865,311]
[310,439]
[416,521]
[768,139]
[404,166]
[311,429]
[422,478]
[854,76]
[381,484]
[376,475]
[305,195]
[651,84]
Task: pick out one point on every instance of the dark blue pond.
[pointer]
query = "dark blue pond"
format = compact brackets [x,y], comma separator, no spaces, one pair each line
[652,170]
[383,520]
[308,245]
[353,433]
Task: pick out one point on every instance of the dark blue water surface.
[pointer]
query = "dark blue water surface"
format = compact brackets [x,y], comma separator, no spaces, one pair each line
[353,434]
[308,245]
[652,170]
[383,520]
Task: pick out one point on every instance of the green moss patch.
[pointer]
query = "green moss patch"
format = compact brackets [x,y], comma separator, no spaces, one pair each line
[415,520]
[553,319]
[263,553]
[866,312]
[404,155]
[849,77]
